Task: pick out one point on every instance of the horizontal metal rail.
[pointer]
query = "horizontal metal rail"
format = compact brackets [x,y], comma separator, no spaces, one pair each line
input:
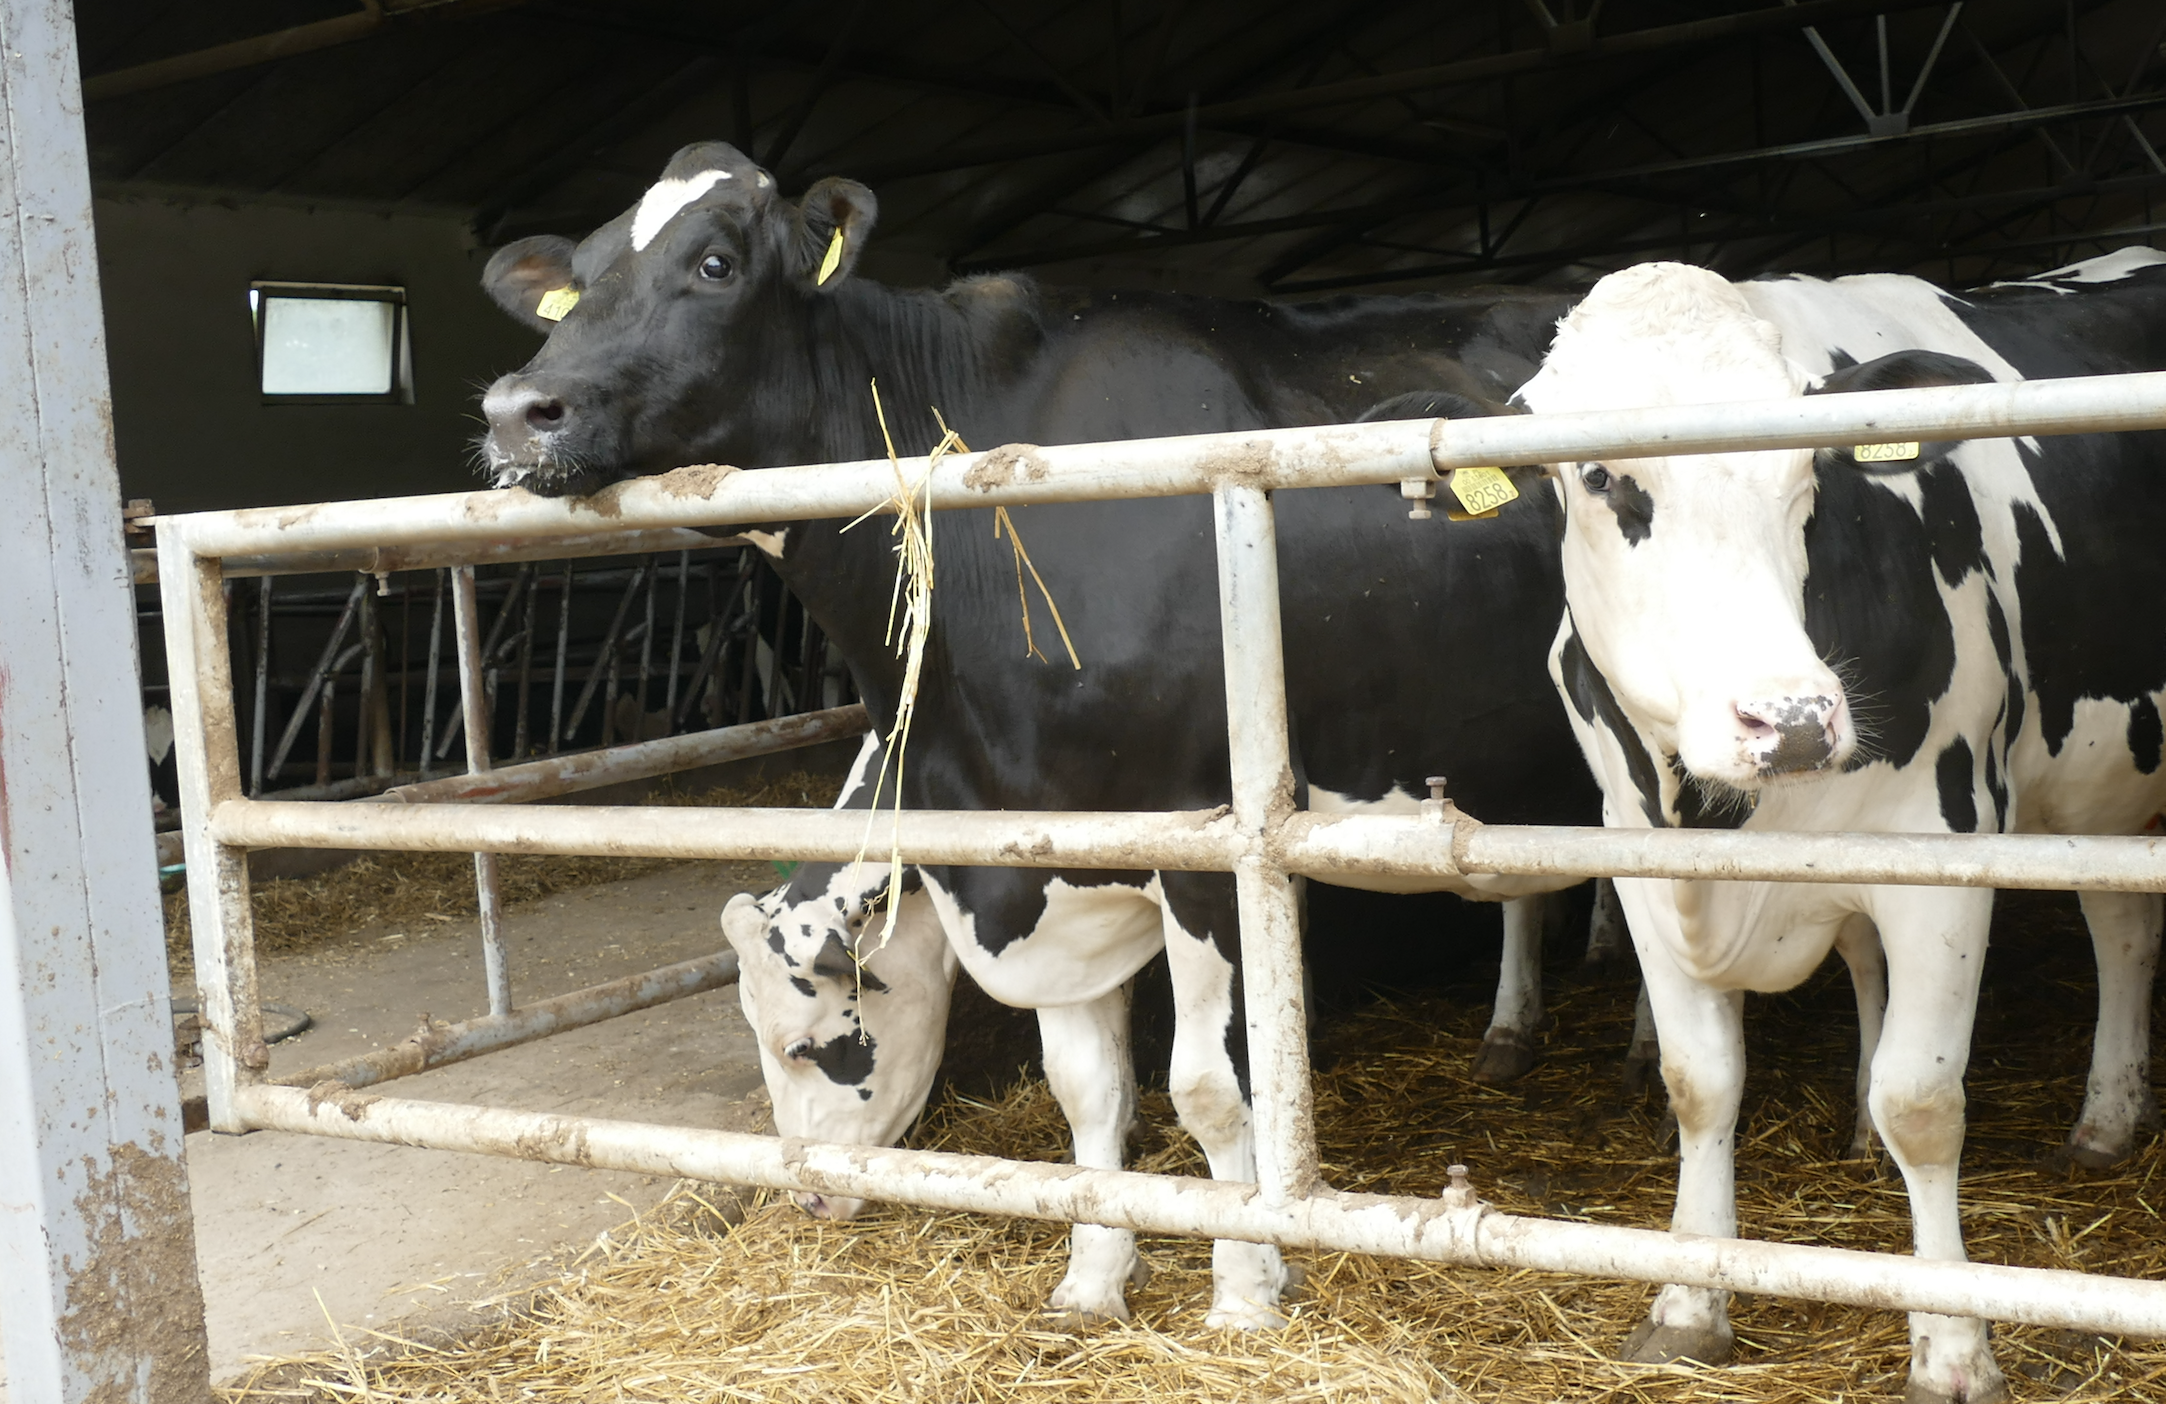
[384,560]
[639,760]
[1206,840]
[1326,456]
[437,1044]
[1456,1228]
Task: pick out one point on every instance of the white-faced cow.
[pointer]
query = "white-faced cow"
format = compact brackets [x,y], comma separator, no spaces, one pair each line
[717,322]
[1966,641]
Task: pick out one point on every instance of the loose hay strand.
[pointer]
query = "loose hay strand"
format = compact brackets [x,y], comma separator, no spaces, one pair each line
[912,506]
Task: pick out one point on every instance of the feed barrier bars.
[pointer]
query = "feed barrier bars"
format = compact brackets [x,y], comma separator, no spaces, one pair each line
[1261,839]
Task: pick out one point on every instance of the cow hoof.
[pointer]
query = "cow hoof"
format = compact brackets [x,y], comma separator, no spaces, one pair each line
[1139,1276]
[2090,1155]
[1070,1319]
[1992,1391]
[1244,1316]
[1506,1056]
[1070,1310]
[1653,1344]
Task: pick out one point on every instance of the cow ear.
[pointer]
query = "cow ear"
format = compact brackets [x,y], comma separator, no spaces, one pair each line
[833,222]
[522,273]
[1904,370]
[1898,370]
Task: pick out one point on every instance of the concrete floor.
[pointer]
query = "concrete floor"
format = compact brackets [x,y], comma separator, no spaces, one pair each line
[290,1228]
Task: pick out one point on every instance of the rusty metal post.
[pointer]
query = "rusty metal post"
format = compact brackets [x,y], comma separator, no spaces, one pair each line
[474,708]
[98,1292]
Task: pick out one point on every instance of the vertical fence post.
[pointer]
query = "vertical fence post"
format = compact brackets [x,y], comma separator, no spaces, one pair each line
[474,700]
[1263,791]
[98,1291]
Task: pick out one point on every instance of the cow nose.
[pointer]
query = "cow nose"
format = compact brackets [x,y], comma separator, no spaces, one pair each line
[829,1206]
[517,410]
[1785,735]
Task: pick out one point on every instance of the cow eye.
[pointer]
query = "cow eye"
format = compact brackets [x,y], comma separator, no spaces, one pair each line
[714,268]
[1594,477]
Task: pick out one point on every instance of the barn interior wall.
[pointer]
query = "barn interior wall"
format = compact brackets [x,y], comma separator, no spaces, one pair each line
[192,431]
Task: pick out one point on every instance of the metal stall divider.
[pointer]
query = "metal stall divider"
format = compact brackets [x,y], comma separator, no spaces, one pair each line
[1262,840]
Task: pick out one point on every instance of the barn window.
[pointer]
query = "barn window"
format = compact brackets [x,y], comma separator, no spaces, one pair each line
[322,343]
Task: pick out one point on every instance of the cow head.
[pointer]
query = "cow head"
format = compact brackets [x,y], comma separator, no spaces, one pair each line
[850,1030]
[700,287]
[1686,575]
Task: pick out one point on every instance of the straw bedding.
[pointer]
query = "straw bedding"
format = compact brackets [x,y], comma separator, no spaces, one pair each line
[299,914]
[721,1296]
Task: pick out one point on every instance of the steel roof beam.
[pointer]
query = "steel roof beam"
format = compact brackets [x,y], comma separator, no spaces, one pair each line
[1486,69]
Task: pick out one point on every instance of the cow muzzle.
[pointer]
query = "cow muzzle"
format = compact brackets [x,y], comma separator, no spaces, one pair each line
[531,433]
[1792,734]
[828,1206]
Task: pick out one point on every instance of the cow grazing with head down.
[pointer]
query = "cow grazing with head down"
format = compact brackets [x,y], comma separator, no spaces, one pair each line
[1963,640]
[718,322]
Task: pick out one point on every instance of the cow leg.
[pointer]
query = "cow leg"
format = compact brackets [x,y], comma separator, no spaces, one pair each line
[2117,1104]
[1207,1087]
[1093,1076]
[1644,1054]
[1607,939]
[1935,946]
[1507,1051]
[1703,1065]
[1859,943]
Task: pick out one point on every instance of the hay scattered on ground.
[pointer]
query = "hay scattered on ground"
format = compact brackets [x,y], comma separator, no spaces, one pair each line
[687,1304]
[297,914]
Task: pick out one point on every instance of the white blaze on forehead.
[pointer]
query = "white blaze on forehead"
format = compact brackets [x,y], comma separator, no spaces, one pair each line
[665,199]
[1661,334]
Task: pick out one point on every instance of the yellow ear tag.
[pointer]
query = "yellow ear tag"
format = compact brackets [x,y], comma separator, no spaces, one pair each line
[1884,453]
[555,303]
[829,264]
[1481,491]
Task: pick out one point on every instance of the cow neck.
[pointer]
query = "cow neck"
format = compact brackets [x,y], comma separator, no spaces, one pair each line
[926,349]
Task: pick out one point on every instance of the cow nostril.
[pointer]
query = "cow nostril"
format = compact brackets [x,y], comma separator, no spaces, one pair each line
[1754,727]
[545,414]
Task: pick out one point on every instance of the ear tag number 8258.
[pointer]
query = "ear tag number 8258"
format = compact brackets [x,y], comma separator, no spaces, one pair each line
[1481,491]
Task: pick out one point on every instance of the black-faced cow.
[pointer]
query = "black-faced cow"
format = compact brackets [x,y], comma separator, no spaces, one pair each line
[1966,641]
[718,322]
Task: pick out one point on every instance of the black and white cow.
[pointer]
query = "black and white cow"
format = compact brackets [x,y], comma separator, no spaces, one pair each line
[1966,641]
[717,322]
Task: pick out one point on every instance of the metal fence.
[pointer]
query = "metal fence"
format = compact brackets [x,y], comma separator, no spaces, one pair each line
[1263,840]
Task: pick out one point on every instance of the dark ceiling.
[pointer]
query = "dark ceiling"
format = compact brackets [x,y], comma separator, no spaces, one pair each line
[1284,147]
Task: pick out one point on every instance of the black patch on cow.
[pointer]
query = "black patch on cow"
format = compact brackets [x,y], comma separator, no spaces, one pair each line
[1951,523]
[1634,508]
[804,987]
[1873,605]
[2075,643]
[2145,734]
[1956,776]
[1701,805]
[1998,788]
[846,1059]
[836,963]
[1596,704]
[1997,626]
[779,944]
[1204,905]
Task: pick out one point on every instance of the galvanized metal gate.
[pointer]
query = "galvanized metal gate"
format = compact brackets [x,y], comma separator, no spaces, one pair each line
[1262,839]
